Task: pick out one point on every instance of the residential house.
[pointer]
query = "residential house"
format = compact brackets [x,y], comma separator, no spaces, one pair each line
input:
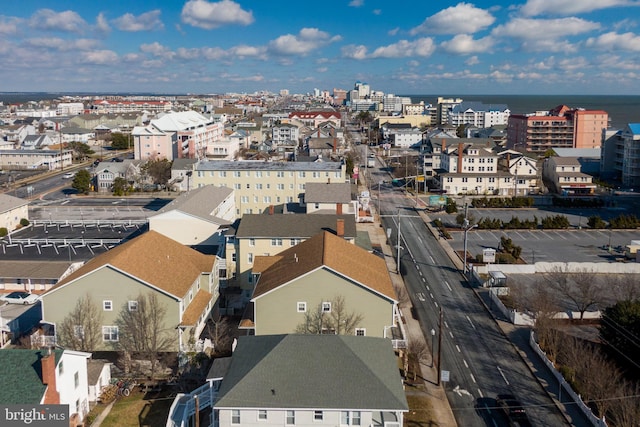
[272,234]
[17,321]
[46,377]
[16,133]
[564,176]
[181,173]
[98,376]
[434,143]
[12,210]
[284,132]
[118,106]
[107,172]
[196,217]
[74,134]
[36,142]
[305,380]
[405,137]
[32,276]
[314,275]
[259,185]
[323,148]
[36,159]
[314,118]
[180,277]
[326,197]
[121,120]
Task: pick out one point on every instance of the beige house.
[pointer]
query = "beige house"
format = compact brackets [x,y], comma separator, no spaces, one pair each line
[272,234]
[12,210]
[565,176]
[180,277]
[195,218]
[259,185]
[314,274]
[330,198]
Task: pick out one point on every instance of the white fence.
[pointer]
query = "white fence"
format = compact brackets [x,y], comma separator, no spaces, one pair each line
[597,422]
[566,267]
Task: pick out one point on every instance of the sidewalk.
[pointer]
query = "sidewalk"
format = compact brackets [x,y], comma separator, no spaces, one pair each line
[439,403]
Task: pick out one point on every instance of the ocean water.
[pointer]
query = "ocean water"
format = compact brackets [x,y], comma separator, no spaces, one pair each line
[621,109]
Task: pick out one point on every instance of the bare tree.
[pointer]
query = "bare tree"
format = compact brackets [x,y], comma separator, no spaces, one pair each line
[142,329]
[544,306]
[82,328]
[582,288]
[221,334]
[338,320]
[402,295]
[624,286]
[625,409]
[417,351]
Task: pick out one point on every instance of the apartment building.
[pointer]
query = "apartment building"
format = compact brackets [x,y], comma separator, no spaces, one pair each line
[478,114]
[260,185]
[561,127]
[123,106]
[443,107]
[185,134]
[35,159]
[566,177]
[316,118]
[284,132]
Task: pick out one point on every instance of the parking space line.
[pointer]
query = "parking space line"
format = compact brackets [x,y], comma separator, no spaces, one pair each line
[534,235]
[561,236]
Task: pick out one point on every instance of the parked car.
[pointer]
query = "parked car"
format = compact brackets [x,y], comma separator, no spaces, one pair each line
[20,298]
[68,175]
[117,159]
[513,409]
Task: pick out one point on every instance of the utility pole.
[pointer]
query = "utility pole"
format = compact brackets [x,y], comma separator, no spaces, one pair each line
[398,259]
[440,348]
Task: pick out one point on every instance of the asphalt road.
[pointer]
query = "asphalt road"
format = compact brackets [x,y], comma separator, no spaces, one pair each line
[479,358]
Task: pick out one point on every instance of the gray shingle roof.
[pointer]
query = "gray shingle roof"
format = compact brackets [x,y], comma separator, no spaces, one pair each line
[21,376]
[313,371]
[8,202]
[200,202]
[320,192]
[292,225]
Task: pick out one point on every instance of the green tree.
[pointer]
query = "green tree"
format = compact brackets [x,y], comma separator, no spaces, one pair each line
[82,181]
[120,141]
[119,186]
[80,150]
[159,170]
[620,327]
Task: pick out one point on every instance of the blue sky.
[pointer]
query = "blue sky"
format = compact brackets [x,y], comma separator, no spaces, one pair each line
[402,47]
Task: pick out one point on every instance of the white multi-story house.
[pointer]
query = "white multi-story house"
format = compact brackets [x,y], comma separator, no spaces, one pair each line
[35,159]
[475,168]
[260,185]
[478,114]
[69,108]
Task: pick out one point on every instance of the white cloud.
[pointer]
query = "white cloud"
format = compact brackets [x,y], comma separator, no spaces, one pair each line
[210,15]
[147,21]
[464,44]
[377,11]
[353,51]
[472,60]
[356,3]
[307,40]
[158,50]
[537,30]
[463,18]
[47,19]
[393,31]
[213,53]
[101,23]
[243,51]
[61,44]
[552,7]
[9,25]
[614,41]
[99,57]
[419,47]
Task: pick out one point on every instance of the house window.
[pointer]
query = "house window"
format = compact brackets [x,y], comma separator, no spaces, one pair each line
[235,416]
[76,379]
[252,242]
[107,305]
[350,418]
[361,332]
[258,186]
[250,258]
[133,305]
[302,307]
[109,333]
[262,415]
[326,307]
[318,415]
[344,418]
[276,242]
[291,418]
[355,418]
[295,242]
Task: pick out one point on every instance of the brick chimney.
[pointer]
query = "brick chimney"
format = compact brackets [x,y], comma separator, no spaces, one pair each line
[340,227]
[271,210]
[460,151]
[48,363]
[338,208]
[444,145]
[335,143]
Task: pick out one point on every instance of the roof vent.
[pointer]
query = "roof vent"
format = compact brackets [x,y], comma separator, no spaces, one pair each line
[295,257]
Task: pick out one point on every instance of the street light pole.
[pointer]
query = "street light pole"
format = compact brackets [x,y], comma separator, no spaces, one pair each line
[440,348]
[433,344]
[466,230]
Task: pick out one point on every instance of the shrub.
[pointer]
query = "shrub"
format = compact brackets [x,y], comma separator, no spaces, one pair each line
[3,231]
[24,222]
[555,222]
[595,221]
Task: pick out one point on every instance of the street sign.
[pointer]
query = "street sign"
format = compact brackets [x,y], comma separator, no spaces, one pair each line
[444,375]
